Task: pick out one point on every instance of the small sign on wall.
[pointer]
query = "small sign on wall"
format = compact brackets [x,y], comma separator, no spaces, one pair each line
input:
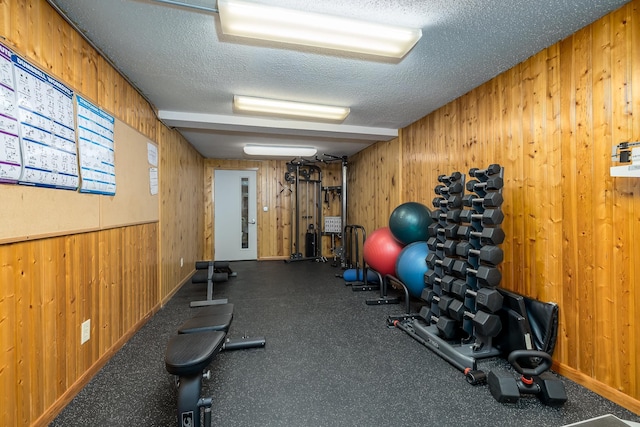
[626,159]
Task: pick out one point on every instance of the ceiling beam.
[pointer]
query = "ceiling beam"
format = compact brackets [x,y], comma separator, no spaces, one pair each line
[180,119]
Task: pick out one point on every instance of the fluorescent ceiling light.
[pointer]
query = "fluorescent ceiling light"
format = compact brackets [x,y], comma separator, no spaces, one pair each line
[245,19]
[279,150]
[289,108]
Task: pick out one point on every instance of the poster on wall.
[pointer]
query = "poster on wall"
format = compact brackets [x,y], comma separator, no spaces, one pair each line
[96,149]
[10,156]
[46,128]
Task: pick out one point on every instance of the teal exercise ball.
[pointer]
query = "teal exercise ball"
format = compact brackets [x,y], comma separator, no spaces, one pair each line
[410,222]
[411,266]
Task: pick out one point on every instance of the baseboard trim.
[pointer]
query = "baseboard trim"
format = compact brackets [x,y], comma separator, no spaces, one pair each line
[598,387]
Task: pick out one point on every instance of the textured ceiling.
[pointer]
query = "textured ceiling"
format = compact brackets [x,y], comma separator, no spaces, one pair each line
[182,63]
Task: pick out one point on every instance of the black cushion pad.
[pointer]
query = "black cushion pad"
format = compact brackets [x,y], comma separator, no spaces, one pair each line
[200,276]
[190,354]
[215,322]
[212,310]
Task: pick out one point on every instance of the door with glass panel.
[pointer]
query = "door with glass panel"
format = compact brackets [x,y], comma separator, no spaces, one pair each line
[235,226]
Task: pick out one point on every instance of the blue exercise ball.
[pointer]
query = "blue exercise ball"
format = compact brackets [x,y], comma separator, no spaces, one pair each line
[410,222]
[357,275]
[411,266]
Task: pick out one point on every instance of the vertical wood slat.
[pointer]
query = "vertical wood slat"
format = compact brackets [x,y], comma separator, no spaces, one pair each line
[602,213]
[569,325]
[621,220]
[632,191]
[583,192]
[9,388]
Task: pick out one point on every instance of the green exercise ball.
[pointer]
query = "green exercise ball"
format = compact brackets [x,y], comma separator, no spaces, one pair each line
[410,222]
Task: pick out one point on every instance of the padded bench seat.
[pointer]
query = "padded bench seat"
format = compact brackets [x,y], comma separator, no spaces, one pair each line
[190,354]
[214,322]
[212,310]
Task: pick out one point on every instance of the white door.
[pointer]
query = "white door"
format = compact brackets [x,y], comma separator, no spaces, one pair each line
[235,228]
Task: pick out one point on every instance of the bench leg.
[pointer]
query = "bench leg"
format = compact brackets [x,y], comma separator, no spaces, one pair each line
[244,343]
[188,401]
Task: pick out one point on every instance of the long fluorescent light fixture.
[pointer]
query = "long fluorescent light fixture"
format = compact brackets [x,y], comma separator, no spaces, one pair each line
[246,19]
[289,108]
[279,150]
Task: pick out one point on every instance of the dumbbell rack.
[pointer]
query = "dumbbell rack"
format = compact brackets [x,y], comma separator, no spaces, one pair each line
[461,261]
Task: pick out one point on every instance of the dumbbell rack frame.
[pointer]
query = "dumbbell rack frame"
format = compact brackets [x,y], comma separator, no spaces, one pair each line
[461,354]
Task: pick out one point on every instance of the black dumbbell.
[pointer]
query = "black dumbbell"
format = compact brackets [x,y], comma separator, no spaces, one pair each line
[433,229]
[487,276]
[432,279]
[452,202]
[485,298]
[485,324]
[446,326]
[451,216]
[533,381]
[454,215]
[490,200]
[493,183]
[447,179]
[488,253]
[448,247]
[446,263]
[449,231]
[485,173]
[442,301]
[489,216]
[452,188]
[488,236]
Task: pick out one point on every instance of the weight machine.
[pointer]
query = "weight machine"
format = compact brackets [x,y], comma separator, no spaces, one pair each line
[307,227]
[306,209]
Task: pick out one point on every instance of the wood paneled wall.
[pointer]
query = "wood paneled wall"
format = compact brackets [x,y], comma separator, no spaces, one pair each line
[374,183]
[49,287]
[113,277]
[274,226]
[571,229]
[181,206]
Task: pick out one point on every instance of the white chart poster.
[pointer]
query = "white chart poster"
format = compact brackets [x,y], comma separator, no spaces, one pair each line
[10,157]
[96,149]
[47,131]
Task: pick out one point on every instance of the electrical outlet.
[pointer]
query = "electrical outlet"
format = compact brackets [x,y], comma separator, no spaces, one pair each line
[181,262]
[85,332]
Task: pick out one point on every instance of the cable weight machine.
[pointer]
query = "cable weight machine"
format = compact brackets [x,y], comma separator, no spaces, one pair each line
[308,198]
[306,210]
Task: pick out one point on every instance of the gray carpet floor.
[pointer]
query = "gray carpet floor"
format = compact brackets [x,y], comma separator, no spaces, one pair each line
[330,360]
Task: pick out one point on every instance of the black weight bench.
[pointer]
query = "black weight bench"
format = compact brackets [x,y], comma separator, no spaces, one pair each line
[210,278]
[188,354]
[215,319]
[221,269]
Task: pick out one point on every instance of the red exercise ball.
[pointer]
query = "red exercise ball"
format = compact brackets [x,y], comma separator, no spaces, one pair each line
[381,251]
